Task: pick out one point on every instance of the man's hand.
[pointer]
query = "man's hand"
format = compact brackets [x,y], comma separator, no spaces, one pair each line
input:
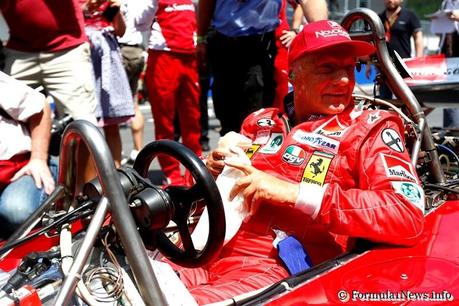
[454,15]
[215,161]
[232,144]
[257,186]
[39,170]
[287,38]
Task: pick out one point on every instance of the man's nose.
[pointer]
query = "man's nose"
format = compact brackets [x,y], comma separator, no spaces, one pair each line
[342,77]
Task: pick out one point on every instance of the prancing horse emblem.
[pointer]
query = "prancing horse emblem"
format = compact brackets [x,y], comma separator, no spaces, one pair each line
[316,167]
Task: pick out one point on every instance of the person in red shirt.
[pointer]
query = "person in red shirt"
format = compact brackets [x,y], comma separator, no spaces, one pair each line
[172,75]
[48,47]
[284,36]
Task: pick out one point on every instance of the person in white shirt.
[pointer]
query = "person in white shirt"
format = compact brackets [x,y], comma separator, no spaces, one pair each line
[25,175]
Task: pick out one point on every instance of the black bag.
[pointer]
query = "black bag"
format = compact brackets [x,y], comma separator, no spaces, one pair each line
[57,130]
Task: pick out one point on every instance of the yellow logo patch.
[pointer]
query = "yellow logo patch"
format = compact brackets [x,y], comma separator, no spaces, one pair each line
[317,168]
[250,151]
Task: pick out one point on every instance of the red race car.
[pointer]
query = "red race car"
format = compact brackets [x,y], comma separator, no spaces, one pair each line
[96,247]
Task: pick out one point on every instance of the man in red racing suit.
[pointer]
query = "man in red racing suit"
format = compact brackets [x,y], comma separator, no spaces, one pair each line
[339,174]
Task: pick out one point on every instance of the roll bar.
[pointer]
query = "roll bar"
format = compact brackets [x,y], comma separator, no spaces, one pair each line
[84,133]
[397,85]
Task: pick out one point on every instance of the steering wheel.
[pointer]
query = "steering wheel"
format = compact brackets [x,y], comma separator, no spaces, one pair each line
[183,199]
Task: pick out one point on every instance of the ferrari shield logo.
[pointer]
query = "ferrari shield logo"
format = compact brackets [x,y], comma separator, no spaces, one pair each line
[317,168]
[294,155]
[251,150]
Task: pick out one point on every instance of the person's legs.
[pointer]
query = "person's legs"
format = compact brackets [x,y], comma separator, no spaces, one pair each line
[188,104]
[20,199]
[133,62]
[229,70]
[23,66]
[162,79]
[137,127]
[17,202]
[68,78]
[229,277]
[113,138]
[204,83]
[266,58]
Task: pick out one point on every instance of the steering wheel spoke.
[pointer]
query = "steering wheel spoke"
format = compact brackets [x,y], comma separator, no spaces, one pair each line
[185,197]
[185,236]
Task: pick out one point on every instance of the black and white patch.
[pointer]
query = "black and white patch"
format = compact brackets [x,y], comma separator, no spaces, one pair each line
[265,122]
[392,139]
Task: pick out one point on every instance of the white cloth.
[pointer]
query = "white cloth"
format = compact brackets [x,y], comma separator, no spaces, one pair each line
[440,22]
[450,5]
[20,102]
[234,210]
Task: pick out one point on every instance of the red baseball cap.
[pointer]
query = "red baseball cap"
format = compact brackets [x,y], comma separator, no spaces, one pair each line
[322,35]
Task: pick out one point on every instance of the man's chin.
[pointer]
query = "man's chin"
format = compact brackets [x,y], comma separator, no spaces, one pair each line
[336,109]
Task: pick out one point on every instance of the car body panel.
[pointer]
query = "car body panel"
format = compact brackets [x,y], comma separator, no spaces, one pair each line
[404,274]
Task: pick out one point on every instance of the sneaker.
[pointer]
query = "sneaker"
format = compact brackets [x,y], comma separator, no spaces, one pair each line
[129,160]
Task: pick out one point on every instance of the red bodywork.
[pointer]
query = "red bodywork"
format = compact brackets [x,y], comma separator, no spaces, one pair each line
[411,272]
[414,273]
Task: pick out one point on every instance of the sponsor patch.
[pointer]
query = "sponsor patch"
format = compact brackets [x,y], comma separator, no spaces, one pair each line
[393,140]
[274,144]
[294,155]
[411,191]
[265,122]
[331,128]
[317,168]
[262,137]
[398,168]
[335,31]
[317,141]
[373,117]
[251,150]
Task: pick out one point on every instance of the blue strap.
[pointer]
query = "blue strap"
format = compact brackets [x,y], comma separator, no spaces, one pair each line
[293,255]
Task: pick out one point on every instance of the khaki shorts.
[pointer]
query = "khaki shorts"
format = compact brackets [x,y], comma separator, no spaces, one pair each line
[65,75]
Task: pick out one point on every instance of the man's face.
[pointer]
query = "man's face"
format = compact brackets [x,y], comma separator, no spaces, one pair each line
[392,5]
[323,83]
